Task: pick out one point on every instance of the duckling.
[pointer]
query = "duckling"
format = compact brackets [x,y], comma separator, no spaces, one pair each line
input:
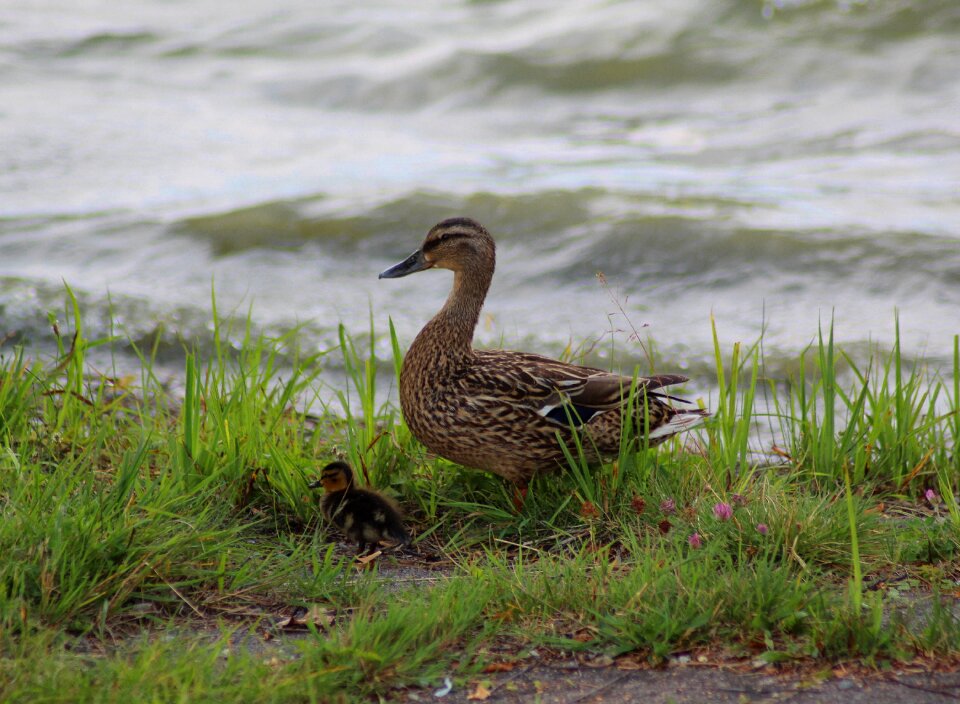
[509,412]
[362,514]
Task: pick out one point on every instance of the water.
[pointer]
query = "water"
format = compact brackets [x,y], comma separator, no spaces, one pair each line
[770,163]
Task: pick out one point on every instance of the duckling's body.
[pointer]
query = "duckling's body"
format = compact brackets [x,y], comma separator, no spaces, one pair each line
[364,515]
[503,411]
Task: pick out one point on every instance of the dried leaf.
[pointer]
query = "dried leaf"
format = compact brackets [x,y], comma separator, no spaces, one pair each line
[508,614]
[480,693]
[367,559]
[583,636]
[319,616]
[499,667]
[315,615]
[781,452]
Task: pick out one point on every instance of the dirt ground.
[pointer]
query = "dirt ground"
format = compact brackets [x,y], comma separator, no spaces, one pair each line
[565,678]
[569,683]
[685,680]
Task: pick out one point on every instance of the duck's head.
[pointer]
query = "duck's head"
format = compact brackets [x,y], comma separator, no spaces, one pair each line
[457,244]
[336,476]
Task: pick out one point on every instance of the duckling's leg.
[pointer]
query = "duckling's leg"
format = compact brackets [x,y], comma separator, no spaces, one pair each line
[368,548]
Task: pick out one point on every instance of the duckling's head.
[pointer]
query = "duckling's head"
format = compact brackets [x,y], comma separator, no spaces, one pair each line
[336,476]
[457,244]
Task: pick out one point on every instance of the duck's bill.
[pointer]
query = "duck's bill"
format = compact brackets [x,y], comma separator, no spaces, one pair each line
[314,485]
[412,264]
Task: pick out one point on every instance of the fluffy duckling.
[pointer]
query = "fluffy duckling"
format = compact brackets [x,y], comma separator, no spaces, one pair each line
[362,514]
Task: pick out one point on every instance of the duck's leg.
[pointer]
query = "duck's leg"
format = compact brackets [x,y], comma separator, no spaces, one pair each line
[519,495]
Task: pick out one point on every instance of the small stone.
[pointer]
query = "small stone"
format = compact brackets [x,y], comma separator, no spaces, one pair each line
[599,661]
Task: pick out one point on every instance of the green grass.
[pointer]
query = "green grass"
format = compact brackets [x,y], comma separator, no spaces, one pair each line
[147,535]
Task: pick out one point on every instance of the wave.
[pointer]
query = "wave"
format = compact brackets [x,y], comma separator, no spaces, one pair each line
[614,48]
[313,219]
[126,327]
[409,61]
[575,233]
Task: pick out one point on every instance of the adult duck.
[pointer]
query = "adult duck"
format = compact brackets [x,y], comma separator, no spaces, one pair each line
[507,412]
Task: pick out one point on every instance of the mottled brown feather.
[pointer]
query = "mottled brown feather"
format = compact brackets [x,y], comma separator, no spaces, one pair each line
[489,408]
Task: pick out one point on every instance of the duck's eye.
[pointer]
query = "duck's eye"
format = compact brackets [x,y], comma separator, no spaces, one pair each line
[443,237]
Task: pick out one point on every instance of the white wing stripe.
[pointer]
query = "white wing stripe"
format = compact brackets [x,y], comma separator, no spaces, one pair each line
[677,424]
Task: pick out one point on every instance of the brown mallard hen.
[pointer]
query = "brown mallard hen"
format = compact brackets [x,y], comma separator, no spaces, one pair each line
[364,515]
[504,411]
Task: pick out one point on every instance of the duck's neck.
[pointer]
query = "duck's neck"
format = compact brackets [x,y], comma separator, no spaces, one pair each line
[456,321]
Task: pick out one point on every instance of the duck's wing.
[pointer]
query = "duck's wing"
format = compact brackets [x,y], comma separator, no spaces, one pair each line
[557,391]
